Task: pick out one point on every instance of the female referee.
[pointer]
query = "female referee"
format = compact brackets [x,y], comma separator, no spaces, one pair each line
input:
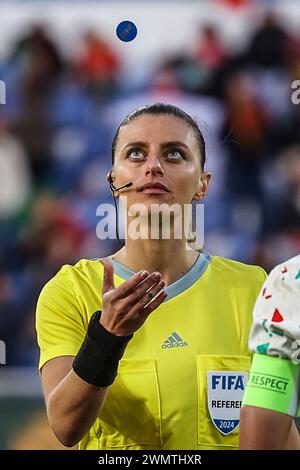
[148,350]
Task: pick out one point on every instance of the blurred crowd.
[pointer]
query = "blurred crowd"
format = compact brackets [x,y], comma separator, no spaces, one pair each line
[56,130]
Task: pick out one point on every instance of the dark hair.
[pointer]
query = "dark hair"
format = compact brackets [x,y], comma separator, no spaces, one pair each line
[169,110]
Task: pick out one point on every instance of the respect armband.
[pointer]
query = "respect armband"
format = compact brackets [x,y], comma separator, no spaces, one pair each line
[98,358]
[274,384]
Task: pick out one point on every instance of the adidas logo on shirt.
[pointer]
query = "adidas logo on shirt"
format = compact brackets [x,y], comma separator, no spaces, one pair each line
[174,341]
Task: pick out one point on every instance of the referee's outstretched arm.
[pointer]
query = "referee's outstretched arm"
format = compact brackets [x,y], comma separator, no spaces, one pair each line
[75,388]
[72,404]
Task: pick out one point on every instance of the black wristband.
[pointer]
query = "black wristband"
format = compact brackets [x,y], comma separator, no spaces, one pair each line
[98,358]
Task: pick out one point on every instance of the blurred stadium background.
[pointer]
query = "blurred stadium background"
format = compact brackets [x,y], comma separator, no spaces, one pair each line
[69,81]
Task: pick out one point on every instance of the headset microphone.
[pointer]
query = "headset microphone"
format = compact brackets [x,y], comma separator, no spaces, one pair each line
[113,189]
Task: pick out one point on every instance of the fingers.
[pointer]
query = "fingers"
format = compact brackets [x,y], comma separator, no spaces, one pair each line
[147,297]
[108,276]
[142,288]
[126,307]
[154,304]
[126,288]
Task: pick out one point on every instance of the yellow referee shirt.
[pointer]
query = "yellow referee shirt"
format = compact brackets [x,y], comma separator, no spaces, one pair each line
[181,380]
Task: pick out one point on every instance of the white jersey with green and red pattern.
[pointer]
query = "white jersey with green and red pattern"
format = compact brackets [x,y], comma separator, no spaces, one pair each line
[276,315]
[274,381]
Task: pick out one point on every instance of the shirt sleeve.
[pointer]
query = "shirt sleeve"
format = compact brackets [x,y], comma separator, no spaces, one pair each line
[274,381]
[59,321]
[276,316]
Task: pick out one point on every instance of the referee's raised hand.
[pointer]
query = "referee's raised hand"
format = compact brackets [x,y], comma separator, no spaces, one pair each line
[125,308]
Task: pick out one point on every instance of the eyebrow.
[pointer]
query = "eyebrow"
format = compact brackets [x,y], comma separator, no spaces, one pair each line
[171,143]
